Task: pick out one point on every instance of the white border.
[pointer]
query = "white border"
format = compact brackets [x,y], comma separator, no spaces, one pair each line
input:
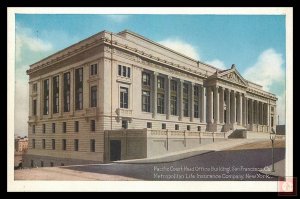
[146,185]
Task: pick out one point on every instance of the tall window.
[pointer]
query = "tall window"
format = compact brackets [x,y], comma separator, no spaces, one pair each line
[160,95]
[53,127]
[67,92]
[196,101]
[185,100]
[93,69]
[34,87]
[46,96]
[149,125]
[33,128]
[64,144]
[55,94]
[43,143]
[94,96]
[33,143]
[64,127]
[92,145]
[146,89]
[173,100]
[124,124]
[76,145]
[78,89]
[34,107]
[146,101]
[53,144]
[119,70]
[124,71]
[123,97]
[44,128]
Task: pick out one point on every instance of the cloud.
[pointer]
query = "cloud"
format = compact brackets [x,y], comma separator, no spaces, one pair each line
[181,47]
[217,63]
[267,70]
[25,39]
[118,18]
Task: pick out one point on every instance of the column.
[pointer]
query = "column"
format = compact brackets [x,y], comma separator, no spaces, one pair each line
[86,88]
[262,113]
[216,105]
[233,107]
[202,106]
[209,104]
[72,91]
[181,99]
[191,97]
[228,106]
[244,111]
[239,108]
[41,98]
[257,112]
[154,96]
[221,104]
[168,97]
[268,115]
[61,91]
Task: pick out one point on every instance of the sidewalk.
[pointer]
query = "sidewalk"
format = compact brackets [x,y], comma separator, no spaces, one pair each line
[207,148]
[279,168]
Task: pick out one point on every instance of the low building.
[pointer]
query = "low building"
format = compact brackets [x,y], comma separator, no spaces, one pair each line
[21,144]
[122,96]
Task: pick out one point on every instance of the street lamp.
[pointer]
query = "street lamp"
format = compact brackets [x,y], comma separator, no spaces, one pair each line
[272,138]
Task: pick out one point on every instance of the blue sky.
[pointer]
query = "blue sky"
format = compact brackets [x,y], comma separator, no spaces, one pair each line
[254,43]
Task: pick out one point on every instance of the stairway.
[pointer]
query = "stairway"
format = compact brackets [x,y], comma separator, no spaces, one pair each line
[238,133]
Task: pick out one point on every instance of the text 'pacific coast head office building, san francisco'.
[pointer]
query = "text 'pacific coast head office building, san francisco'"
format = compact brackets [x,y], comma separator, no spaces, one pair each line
[122,96]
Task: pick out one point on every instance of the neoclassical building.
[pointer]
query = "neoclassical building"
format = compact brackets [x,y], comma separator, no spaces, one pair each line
[122,96]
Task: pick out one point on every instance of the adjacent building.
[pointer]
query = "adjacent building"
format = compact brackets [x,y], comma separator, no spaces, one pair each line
[123,96]
[21,144]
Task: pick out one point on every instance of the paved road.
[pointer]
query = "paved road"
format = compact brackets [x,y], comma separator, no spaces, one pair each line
[240,165]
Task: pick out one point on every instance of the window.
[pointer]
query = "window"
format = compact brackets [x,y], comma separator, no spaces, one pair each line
[119,70]
[185,107]
[124,124]
[64,127]
[53,144]
[46,97]
[43,143]
[173,99]
[34,87]
[185,89]
[55,90]
[51,164]
[123,97]
[62,164]
[94,96]
[176,126]
[53,127]
[93,69]
[188,127]
[149,125]
[34,107]
[31,163]
[76,126]
[76,145]
[146,101]
[33,128]
[160,83]
[163,126]
[78,89]
[64,144]
[42,163]
[160,103]
[44,128]
[146,79]
[124,71]
[199,128]
[92,145]
[67,92]
[33,143]
[93,125]
[128,72]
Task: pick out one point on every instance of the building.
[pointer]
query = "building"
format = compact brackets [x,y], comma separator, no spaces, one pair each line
[122,96]
[21,144]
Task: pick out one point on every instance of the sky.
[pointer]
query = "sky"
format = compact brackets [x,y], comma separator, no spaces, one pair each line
[254,43]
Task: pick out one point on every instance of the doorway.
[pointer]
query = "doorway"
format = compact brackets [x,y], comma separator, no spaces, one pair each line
[115,150]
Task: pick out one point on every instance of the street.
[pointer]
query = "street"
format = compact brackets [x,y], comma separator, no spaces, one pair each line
[233,165]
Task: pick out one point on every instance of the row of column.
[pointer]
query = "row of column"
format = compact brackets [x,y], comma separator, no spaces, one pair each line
[180,108]
[232,107]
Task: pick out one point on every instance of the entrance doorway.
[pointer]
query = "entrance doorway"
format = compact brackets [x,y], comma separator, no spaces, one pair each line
[115,150]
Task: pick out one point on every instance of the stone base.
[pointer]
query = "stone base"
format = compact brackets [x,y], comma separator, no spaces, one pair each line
[214,127]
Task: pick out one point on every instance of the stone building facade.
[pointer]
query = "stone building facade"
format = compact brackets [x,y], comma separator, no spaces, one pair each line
[123,96]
